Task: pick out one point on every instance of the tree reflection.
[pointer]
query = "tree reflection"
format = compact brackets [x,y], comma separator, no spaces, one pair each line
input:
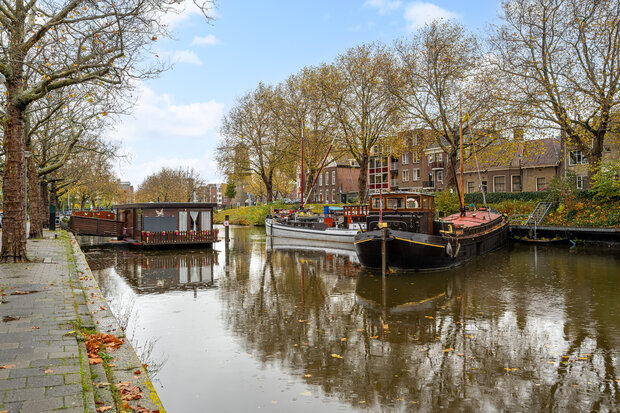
[495,334]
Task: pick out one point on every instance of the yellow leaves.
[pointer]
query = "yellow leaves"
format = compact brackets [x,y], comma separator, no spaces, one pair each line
[336,356]
[511,369]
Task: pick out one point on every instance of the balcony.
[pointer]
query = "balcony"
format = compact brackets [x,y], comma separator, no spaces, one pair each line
[436,165]
[428,184]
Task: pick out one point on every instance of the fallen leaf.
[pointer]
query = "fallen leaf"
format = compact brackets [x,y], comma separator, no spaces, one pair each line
[34,328]
[336,356]
[129,392]
[18,292]
[103,408]
[49,371]
[306,393]
[343,339]
[7,366]
[138,372]
[8,318]
[101,385]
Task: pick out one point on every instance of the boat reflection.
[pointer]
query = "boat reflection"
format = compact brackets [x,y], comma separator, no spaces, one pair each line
[159,271]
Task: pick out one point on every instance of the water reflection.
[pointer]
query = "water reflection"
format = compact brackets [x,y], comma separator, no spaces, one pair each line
[300,327]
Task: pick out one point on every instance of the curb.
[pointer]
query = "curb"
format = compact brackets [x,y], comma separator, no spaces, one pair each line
[126,366]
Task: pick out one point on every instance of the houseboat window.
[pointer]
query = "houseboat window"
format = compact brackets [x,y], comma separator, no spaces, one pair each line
[394,203]
[182,220]
[425,203]
[193,220]
[413,202]
[205,221]
[376,204]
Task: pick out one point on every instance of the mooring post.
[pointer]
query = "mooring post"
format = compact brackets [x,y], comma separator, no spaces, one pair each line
[226,229]
[383,257]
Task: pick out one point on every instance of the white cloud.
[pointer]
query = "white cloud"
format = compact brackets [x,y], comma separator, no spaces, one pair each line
[163,133]
[384,6]
[182,12]
[418,14]
[186,56]
[205,40]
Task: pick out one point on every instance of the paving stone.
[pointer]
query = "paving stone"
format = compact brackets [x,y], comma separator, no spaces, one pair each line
[47,404]
[45,381]
[9,384]
[20,395]
[65,390]
[11,407]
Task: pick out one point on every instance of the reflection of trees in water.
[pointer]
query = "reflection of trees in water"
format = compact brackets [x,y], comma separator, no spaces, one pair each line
[503,332]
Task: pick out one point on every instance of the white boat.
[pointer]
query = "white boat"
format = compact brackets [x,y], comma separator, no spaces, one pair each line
[309,230]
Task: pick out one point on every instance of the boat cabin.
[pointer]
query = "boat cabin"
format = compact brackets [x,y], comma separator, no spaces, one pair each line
[168,223]
[402,211]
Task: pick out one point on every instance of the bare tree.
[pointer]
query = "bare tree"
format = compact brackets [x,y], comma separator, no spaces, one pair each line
[354,89]
[170,185]
[563,59]
[442,79]
[252,143]
[48,45]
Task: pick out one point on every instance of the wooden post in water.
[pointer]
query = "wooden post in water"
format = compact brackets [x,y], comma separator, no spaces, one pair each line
[226,229]
[383,252]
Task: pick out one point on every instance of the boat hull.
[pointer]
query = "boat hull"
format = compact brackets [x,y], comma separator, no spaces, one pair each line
[418,251]
[341,235]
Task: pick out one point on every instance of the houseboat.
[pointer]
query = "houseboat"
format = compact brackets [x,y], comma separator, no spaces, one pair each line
[336,224]
[167,224]
[414,240]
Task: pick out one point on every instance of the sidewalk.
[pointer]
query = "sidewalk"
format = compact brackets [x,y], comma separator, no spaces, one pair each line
[44,364]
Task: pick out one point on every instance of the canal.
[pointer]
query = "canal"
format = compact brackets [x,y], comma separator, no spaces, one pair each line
[282,327]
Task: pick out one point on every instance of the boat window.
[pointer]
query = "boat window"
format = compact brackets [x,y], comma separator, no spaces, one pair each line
[413,202]
[376,204]
[425,203]
[182,221]
[394,203]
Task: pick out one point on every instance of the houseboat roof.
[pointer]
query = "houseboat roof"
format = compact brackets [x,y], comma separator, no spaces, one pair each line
[173,205]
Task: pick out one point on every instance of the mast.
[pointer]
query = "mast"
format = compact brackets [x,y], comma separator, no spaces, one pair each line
[462,191]
[302,171]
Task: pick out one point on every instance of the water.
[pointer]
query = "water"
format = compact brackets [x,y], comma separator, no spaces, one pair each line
[282,328]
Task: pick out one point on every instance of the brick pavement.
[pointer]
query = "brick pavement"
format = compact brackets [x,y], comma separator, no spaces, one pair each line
[43,360]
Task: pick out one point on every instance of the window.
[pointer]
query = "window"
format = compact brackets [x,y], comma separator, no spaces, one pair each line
[320,179]
[334,194]
[326,178]
[394,203]
[416,174]
[405,158]
[321,196]
[182,220]
[415,157]
[405,175]
[471,187]
[439,157]
[499,183]
[333,177]
[576,158]
[541,183]
[439,176]
[376,204]
[516,183]
[581,180]
[430,158]
[484,187]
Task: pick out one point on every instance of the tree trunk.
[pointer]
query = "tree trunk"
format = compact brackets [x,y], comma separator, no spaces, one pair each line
[451,169]
[363,179]
[45,204]
[34,200]
[13,222]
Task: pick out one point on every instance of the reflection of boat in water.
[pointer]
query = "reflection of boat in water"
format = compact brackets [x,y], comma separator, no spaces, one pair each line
[313,246]
[416,241]
[168,270]
[413,293]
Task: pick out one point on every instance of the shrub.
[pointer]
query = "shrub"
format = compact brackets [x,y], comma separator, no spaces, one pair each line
[447,202]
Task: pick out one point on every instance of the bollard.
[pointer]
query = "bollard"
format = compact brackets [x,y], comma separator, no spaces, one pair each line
[226,229]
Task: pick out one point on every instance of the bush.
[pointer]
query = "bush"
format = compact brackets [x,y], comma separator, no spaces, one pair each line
[496,197]
[606,182]
[447,202]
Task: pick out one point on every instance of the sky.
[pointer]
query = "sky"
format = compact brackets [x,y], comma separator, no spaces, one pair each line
[176,120]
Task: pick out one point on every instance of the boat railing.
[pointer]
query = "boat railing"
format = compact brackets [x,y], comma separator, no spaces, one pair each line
[178,237]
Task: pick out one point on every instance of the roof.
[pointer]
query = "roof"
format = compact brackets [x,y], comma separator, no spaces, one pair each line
[174,205]
[536,153]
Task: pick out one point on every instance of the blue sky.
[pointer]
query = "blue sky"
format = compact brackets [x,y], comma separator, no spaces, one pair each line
[177,118]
